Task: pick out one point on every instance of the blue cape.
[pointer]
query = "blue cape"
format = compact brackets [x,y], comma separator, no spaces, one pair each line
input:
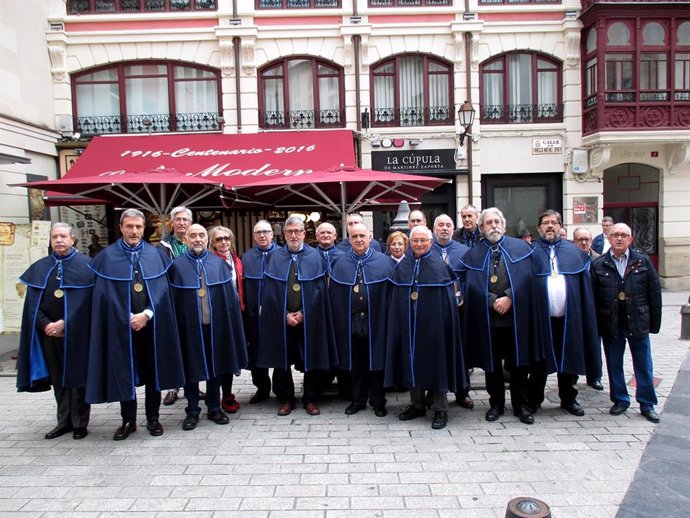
[376,267]
[76,282]
[456,251]
[474,277]
[112,366]
[581,351]
[423,344]
[227,352]
[329,255]
[317,348]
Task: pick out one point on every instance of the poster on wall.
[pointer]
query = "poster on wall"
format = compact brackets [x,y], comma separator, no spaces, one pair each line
[585,209]
[37,207]
[15,259]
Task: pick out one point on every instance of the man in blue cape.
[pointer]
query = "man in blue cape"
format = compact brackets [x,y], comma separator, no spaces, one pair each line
[359,292]
[571,343]
[500,321]
[134,338]
[325,237]
[352,219]
[451,252]
[423,344]
[53,346]
[254,262]
[209,321]
[295,321]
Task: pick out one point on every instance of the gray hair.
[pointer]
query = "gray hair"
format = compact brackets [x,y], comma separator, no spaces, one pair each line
[62,224]
[294,220]
[581,229]
[131,213]
[443,216]
[491,210]
[262,221]
[471,207]
[422,229]
[607,219]
[181,209]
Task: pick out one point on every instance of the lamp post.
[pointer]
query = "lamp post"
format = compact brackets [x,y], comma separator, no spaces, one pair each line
[466,118]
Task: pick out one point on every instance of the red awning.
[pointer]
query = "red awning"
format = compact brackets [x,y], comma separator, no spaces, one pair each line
[111,162]
[219,156]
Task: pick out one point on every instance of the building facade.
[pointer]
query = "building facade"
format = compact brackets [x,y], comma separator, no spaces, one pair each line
[582,107]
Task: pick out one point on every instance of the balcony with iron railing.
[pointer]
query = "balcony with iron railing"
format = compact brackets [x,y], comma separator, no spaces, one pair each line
[297,4]
[521,113]
[586,4]
[519,2]
[413,116]
[81,7]
[302,119]
[409,3]
[148,123]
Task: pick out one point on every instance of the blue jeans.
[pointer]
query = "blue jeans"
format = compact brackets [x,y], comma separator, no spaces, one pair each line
[191,392]
[640,348]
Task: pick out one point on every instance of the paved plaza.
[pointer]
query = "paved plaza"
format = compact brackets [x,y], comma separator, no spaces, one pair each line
[361,466]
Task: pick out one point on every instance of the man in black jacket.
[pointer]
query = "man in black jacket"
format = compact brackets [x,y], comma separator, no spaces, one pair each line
[628,299]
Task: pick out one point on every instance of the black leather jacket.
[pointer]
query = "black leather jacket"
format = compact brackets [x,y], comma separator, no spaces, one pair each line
[642,304]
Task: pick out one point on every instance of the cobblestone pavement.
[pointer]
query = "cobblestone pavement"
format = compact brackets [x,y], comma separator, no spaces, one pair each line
[332,465]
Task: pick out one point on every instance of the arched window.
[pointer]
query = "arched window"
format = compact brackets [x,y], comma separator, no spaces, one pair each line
[148,96]
[301,93]
[412,90]
[521,87]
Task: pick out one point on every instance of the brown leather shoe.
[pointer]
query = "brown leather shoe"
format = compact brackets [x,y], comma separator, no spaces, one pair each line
[285,408]
[465,402]
[312,409]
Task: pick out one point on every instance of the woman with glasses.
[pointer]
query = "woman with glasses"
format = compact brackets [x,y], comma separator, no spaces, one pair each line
[222,243]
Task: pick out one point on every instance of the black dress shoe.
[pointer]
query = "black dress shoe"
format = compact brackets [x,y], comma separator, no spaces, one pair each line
[353,408]
[123,432]
[190,422]
[80,433]
[171,397]
[218,417]
[154,427]
[596,384]
[411,412]
[573,408]
[494,413]
[258,397]
[440,420]
[380,411]
[524,415]
[651,415]
[58,432]
[617,409]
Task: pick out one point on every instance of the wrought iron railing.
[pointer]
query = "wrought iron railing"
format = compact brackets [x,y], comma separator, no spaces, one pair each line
[303,119]
[138,6]
[521,113]
[413,116]
[149,123]
[296,4]
[409,3]
[518,2]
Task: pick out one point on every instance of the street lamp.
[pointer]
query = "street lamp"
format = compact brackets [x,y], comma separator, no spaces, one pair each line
[466,118]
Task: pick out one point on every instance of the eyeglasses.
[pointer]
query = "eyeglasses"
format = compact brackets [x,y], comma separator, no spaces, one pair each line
[221,238]
[619,235]
[263,232]
[293,232]
[583,240]
[419,241]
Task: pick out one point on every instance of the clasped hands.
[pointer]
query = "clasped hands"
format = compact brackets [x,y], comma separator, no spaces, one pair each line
[294,319]
[55,329]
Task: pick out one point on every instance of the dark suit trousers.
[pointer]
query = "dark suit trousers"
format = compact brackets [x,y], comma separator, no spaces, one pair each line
[503,348]
[72,409]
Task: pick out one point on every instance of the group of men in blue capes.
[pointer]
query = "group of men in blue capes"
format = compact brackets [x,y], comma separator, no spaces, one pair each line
[421,323]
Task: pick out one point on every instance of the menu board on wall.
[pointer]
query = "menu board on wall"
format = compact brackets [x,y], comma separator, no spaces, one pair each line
[15,260]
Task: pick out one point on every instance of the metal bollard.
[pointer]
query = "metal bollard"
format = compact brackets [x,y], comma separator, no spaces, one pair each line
[685,321]
[527,507]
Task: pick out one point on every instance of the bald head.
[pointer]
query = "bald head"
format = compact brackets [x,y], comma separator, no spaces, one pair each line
[415,218]
[197,238]
[326,235]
